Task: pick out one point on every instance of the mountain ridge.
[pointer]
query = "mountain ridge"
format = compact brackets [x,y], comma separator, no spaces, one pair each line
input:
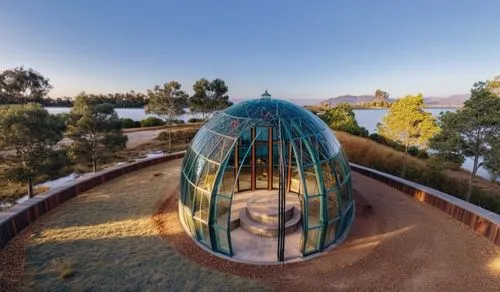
[454,100]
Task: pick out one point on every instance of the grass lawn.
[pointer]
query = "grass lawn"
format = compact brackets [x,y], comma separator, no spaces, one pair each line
[105,240]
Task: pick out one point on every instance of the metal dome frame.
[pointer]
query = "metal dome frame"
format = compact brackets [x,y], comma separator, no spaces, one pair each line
[308,153]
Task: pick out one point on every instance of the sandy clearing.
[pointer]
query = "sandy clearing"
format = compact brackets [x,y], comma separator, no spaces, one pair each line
[398,244]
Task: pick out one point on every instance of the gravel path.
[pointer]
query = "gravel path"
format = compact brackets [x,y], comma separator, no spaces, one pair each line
[397,244]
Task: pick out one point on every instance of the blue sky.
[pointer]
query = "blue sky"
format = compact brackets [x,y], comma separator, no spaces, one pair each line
[295,49]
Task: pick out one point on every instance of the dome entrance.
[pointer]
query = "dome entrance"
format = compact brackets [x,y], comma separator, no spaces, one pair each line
[265,180]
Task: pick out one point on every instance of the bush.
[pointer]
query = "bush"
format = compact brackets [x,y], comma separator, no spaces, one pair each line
[195,120]
[129,123]
[152,122]
[178,122]
[378,138]
[413,151]
[422,154]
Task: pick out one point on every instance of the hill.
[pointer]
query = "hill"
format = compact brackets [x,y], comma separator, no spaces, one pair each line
[456,100]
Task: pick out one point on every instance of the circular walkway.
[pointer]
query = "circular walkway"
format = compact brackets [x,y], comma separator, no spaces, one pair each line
[125,235]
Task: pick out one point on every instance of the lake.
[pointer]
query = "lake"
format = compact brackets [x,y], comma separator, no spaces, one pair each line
[135,114]
[366,118]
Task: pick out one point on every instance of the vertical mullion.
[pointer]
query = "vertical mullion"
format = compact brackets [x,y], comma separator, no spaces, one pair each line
[252,181]
[270,159]
[236,162]
[289,180]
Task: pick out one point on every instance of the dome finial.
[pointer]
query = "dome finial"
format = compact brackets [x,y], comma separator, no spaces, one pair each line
[265,94]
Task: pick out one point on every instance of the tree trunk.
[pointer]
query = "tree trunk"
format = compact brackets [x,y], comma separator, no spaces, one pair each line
[403,172]
[31,192]
[471,178]
[169,136]
[94,164]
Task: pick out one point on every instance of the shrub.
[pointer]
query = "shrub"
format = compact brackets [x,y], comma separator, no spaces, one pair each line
[413,151]
[378,138]
[128,123]
[152,122]
[422,154]
[178,121]
[195,120]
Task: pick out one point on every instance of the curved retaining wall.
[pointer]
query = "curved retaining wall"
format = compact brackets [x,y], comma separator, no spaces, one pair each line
[15,219]
[480,220]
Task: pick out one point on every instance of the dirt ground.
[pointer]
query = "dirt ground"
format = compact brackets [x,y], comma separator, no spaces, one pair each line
[141,136]
[125,235]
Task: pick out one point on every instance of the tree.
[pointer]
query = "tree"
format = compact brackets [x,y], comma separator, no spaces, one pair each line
[381,95]
[408,124]
[472,131]
[342,118]
[492,159]
[167,102]
[25,85]
[27,137]
[95,129]
[494,85]
[209,97]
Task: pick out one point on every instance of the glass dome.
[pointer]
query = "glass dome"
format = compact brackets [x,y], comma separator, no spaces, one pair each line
[278,152]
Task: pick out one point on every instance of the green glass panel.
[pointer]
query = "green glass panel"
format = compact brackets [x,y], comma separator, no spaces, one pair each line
[222,211]
[226,183]
[329,179]
[188,220]
[222,240]
[344,195]
[206,234]
[314,211]
[331,232]
[207,178]
[333,205]
[199,230]
[313,237]
[202,205]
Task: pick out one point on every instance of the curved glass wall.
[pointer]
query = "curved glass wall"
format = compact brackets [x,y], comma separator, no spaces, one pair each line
[265,144]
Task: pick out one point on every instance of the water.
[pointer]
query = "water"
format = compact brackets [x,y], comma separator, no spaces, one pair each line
[135,114]
[370,117]
[366,118]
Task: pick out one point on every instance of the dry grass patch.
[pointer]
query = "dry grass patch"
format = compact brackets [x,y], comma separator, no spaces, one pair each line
[106,240]
[368,153]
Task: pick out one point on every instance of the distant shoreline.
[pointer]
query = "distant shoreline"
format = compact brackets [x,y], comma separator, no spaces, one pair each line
[386,108]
